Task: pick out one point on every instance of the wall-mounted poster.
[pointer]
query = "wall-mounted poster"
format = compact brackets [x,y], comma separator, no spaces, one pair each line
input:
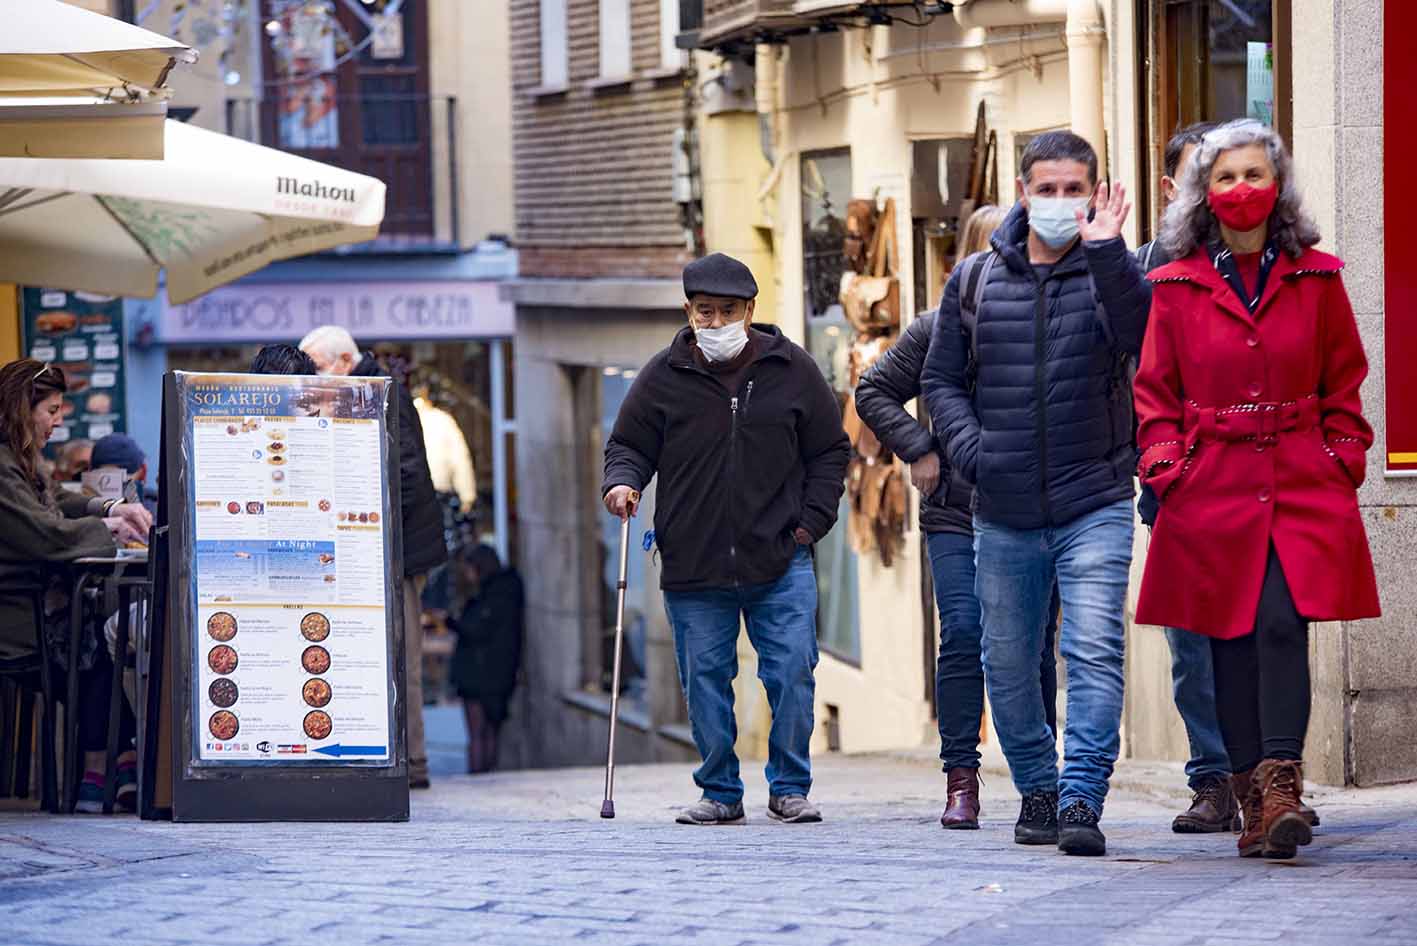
[1400,203]
[81,333]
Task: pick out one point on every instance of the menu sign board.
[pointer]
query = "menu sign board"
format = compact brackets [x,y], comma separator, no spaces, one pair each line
[288,520]
[82,333]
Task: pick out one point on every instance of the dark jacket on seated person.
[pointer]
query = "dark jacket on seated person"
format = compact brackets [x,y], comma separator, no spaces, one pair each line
[39,527]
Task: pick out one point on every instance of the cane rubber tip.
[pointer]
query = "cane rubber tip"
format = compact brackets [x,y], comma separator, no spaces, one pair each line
[607,809]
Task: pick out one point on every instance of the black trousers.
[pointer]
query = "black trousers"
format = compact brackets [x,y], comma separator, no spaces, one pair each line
[1262,679]
[95,694]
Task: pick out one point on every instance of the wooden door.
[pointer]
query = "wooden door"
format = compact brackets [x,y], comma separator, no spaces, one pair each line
[358,108]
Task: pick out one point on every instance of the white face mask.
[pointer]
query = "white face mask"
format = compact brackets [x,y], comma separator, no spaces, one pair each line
[723,344]
[1054,219]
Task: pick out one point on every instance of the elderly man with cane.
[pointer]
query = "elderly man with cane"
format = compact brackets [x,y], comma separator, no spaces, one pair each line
[746,437]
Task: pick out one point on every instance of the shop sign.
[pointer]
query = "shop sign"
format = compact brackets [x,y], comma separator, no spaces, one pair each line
[81,333]
[1400,307]
[382,311]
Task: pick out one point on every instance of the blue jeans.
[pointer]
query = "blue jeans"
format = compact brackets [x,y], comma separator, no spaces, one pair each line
[1090,559]
[959,671]
[1193,683]
[782,626]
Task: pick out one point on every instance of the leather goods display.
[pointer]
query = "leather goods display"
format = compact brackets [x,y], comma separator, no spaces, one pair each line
[870,297]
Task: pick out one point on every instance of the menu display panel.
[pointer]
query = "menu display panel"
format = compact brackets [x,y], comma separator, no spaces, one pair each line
[289,530]
[82,333]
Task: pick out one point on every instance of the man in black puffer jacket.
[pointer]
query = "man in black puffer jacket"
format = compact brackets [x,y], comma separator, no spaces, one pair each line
[1027,389]
[946,520]
[334,352]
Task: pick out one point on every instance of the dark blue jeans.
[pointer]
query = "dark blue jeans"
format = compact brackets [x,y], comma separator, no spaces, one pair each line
[1193,684]
[959,671]
[1089,560]
[782,627]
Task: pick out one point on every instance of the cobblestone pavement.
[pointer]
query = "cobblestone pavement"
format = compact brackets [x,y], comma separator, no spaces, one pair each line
[522,858]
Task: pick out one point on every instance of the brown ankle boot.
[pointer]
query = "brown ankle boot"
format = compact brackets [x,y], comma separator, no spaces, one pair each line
[1212,810]
[1281,782]
[1247,794]
[962,809]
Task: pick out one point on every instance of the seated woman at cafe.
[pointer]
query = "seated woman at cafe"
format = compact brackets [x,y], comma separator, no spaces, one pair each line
[42,525]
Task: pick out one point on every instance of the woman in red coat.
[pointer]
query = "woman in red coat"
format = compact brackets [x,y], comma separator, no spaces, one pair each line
[1253,437]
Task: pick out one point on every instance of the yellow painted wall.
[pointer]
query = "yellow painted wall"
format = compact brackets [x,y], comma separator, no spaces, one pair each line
[732,169]
[470,59]
[9,323]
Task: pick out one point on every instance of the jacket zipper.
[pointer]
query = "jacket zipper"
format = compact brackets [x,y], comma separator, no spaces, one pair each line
[1040,392]
[733,480]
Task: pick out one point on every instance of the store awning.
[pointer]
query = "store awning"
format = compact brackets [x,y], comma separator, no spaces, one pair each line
[77,84]
[212,210]
[58,129]
[48,47]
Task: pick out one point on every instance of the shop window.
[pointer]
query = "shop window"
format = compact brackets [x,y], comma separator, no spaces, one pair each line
[1210,60]
[614,384]
[826,189]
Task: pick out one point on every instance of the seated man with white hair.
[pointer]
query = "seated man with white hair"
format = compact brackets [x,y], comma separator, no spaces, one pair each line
[334,352]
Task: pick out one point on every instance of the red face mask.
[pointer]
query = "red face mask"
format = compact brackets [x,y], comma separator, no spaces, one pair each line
[1243,207]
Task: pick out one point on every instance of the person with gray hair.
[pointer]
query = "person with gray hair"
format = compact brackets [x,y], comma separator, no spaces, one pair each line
[1253,439]
[334,352]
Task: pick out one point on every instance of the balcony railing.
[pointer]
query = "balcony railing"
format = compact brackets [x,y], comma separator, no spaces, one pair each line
[737,24]
[407,141]
[739,21]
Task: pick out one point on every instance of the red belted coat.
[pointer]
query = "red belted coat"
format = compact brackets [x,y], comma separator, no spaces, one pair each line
[1252,433]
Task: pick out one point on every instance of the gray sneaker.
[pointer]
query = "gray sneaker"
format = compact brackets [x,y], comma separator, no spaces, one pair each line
[793,809]
[706,811]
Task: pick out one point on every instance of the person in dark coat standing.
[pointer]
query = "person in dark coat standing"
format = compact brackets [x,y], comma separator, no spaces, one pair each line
[1254,440]
[746,438]
[334,353]
[1030,402]
[489,651]
[945,518]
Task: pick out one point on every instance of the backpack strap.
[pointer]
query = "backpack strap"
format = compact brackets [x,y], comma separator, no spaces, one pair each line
[1147,252]
[973,280]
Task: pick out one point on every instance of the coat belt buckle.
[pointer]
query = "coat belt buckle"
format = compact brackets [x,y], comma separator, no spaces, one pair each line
[1268,434]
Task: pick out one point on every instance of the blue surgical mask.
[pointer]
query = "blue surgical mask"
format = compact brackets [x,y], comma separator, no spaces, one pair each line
[1054,219]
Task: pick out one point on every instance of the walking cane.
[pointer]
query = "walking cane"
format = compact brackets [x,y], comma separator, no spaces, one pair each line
[607,807]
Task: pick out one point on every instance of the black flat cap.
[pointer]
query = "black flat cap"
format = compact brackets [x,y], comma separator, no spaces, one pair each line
[719,275]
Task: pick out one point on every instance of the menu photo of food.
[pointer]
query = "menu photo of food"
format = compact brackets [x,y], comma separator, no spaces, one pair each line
[316,693]
[318,724]
[221,626]
[223,692]
[222,659]
[314,627]
[224,725]
[315,659]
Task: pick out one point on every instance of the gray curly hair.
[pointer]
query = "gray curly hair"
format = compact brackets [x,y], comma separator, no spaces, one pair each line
[1189,223]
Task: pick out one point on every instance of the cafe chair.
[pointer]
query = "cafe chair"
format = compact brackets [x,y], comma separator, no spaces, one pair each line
[27,680]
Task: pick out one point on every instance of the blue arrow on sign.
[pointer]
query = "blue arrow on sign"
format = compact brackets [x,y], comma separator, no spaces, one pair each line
[338,750]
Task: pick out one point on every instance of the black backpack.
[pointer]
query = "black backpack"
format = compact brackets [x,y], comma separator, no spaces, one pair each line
[974,277]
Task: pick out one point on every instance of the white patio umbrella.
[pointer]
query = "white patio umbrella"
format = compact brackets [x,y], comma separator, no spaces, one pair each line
[214,209]
[74,83]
